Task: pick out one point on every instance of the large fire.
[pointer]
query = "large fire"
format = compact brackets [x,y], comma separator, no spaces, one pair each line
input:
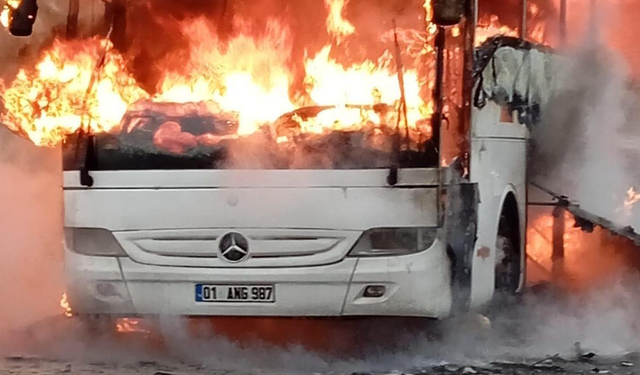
[249,75]
[589,257]
[52,100]
[70,89]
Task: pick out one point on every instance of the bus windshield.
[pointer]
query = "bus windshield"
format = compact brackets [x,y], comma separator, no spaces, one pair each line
[176,136]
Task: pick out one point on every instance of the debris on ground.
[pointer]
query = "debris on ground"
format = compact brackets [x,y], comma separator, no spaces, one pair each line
[19,365]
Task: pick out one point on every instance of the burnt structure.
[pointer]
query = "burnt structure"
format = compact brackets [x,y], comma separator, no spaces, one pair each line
[183,136]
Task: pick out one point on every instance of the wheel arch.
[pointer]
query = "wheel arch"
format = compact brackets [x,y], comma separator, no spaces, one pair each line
[510,211]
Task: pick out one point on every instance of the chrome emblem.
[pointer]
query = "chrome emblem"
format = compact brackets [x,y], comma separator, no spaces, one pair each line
[234,247]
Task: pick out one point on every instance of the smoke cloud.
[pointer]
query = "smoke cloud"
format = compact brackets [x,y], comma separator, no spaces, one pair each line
[30,232]
[585,143]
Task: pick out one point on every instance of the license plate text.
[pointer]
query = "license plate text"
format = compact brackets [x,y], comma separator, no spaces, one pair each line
[235,293]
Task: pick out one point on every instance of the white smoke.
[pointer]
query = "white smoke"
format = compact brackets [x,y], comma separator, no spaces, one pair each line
[30,232]
[583,143]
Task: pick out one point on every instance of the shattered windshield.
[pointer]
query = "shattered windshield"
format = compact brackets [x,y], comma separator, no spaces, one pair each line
[174,136]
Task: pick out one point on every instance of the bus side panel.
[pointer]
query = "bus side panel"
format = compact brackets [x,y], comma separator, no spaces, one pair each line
[498,165]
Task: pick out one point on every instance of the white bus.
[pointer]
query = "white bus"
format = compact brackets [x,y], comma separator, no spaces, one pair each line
[349,232]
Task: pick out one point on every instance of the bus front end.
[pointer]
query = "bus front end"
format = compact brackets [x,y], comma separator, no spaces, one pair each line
[256,243]
[238,228]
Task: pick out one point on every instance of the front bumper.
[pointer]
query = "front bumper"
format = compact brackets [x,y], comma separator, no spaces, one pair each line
[416,285]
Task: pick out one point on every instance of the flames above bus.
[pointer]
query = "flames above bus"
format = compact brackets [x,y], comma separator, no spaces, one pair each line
[87,83]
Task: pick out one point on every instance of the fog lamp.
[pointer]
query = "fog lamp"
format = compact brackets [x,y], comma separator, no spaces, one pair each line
[374,291]
[107,290]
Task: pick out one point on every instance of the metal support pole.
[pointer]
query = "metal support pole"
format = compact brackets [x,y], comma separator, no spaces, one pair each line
[475,14]
[115,15]
[438,89]
[107,18]
[523,24]
[470,23]
[72,19]
[557,256]
[563,23]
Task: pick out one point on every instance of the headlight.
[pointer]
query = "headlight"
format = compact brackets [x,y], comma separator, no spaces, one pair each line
[394,241]
[93,241]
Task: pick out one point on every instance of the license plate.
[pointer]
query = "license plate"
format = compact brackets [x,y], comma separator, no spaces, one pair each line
[235,293]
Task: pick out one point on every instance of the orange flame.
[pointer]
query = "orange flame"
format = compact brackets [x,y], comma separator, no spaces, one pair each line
[129,325]
[633,197]
[64,303]
[491,26]
[5,14]
[589,258]
[337,26]
[368,83]
[431,27]
[248,75]
[48,103]
[488,28]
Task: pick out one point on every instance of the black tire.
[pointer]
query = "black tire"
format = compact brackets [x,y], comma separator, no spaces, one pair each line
[98,325]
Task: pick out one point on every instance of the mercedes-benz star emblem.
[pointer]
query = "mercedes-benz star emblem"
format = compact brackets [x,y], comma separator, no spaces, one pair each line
[234,247]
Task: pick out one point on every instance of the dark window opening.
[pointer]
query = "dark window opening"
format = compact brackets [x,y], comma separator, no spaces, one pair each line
[160,140]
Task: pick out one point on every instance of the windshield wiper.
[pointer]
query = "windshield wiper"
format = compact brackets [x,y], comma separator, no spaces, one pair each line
[392,178]
[88,162]
[89,155]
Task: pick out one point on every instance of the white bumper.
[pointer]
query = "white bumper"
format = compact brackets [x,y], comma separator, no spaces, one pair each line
[416,285]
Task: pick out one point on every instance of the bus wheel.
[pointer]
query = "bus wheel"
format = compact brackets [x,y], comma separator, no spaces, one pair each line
[98,325]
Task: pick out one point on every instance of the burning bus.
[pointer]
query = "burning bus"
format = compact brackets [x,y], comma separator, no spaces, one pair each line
[393,186]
